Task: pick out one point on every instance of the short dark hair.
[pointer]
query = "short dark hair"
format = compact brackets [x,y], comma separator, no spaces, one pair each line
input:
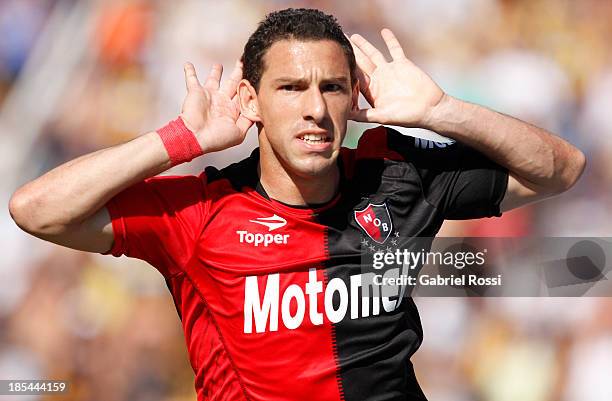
[301,24]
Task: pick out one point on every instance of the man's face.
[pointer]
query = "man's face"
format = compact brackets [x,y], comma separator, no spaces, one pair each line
[304,100]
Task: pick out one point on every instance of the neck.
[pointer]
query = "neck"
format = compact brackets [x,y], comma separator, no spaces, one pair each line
[296,190]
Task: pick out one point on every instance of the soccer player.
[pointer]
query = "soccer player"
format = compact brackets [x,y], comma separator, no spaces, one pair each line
[262,258]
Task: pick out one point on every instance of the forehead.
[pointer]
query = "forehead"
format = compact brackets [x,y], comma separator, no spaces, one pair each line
[296,58]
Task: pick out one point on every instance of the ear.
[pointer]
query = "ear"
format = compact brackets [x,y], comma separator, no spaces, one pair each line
[355,96]
[249,106]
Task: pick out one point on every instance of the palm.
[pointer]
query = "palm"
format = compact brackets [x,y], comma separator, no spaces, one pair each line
[212,112]
[400,93]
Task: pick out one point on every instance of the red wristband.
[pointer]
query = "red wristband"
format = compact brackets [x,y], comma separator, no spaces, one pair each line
[181,144]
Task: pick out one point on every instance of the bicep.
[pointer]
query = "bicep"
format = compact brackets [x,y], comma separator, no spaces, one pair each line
[94,234]
[520,193]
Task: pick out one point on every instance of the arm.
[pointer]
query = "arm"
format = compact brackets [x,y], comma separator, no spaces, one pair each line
[66,205]
[540,164]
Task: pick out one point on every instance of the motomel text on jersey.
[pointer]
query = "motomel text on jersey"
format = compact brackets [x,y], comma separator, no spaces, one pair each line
[265,312]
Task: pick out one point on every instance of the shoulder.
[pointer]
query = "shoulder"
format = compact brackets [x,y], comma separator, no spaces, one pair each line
[191,187]
[374,144]
[166,190]
[234,177]
[387,143]
[174,182]
[384,146]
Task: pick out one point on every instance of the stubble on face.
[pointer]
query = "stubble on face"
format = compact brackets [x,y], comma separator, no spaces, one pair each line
[304,98]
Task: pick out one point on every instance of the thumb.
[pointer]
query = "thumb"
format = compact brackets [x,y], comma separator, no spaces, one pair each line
[243,124]
[364,115]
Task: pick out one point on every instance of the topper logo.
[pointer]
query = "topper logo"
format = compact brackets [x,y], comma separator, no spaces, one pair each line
[256,239]
[273,222]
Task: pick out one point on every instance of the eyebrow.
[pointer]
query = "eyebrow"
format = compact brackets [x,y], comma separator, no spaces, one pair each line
[283,80]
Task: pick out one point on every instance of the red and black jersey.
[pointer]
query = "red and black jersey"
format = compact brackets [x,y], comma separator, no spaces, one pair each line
[272,298]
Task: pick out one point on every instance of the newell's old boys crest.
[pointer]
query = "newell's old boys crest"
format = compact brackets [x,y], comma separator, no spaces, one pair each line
[375,220]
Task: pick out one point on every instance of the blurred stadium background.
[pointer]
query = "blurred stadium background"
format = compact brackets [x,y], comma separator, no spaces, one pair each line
[78,75]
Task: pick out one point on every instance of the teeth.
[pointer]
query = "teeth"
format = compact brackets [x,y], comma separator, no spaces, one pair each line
[314,138]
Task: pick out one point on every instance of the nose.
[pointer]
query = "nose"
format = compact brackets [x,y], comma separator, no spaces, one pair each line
[314,107]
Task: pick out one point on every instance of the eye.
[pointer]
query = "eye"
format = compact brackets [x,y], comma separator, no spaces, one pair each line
[333,88]
[289,88]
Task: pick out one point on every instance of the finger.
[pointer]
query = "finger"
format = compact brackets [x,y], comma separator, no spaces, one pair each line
[191,79]
[243,124]
[364,80]
[369,50]
[212,82]
[364,68]
[364,115]
[364,86]
[364,61]
[397,53]
[230,85]
[365,91]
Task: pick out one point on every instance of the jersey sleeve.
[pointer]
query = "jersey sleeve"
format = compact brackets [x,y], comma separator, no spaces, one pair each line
[459,181]
[159,220]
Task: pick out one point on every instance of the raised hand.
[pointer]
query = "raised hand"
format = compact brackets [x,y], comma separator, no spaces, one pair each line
[399,92]
[212,110]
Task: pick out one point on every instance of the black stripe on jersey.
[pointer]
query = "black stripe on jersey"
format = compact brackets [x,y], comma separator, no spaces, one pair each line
[240,175]
[373,352]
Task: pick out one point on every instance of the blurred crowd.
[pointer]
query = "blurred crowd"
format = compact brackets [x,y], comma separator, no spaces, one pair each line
[78,75]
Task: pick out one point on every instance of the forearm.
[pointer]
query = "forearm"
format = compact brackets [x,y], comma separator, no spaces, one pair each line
[74,191]
[543,161]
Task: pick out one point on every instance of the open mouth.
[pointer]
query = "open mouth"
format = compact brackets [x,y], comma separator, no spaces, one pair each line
[314,139]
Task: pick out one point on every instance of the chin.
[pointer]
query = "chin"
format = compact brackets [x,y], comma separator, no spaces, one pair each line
[315,168]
